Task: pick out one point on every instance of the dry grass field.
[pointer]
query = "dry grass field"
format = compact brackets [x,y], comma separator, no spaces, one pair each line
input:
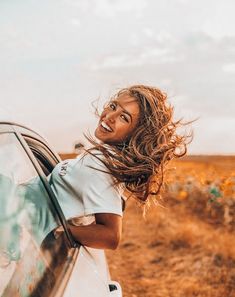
[187,247]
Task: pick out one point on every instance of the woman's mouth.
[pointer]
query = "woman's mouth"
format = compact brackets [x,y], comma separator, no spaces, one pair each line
[105,127]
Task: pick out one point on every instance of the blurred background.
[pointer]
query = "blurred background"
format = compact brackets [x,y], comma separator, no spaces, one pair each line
[58,56]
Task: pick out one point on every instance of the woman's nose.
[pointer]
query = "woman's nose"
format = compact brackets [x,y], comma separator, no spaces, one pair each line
[111,116]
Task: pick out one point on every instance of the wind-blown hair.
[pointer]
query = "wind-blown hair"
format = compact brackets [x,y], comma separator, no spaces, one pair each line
[140,161]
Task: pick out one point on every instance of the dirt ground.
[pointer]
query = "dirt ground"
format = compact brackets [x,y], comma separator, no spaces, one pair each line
[180,250]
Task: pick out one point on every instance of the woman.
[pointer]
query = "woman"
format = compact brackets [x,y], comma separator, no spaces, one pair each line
[136,139]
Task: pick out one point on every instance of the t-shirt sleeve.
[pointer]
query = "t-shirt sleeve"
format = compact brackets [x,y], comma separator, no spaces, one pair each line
[98,193]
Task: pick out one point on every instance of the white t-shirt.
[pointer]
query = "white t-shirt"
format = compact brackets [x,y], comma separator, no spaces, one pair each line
[83,191]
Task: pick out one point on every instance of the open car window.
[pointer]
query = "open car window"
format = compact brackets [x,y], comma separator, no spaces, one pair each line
[31,256]
[46,159]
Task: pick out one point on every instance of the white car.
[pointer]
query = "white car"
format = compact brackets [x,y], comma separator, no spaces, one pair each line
[35,261]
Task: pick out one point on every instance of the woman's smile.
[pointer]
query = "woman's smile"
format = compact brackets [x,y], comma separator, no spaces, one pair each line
[105,127]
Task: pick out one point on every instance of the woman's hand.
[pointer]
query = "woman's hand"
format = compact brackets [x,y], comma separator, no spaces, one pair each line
[105,234]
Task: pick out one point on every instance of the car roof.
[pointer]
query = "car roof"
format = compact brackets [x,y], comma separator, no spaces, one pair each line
[16,124]
[20,125]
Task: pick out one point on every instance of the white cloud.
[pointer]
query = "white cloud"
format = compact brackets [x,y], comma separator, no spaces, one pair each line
[75,22]
[146,56]
[112,62]
[5,115]
[165,37]
[148,32]
[211,136]
[220,21]
[108,8]
[230,68]
[82,5]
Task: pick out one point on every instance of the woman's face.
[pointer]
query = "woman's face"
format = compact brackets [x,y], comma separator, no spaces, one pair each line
[118,120]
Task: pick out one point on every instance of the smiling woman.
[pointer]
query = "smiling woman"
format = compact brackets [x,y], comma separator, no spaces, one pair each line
[134,140]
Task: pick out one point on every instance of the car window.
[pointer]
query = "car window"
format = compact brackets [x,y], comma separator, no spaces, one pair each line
[46,159]
[31,255]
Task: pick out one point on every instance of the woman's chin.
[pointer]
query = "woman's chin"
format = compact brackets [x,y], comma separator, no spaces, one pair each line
[99,136]
[104,137]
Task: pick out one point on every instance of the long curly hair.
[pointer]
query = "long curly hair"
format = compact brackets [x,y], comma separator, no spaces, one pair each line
[139,163]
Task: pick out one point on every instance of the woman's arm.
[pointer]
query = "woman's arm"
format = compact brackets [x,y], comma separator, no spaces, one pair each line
[105,234]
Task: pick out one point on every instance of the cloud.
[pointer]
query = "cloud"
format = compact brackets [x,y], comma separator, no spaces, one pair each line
[148,32]
[82,5]
[146,56]
[75,21]
[109,8]
[220,21]
[5,115]
[211,136]
[230,68]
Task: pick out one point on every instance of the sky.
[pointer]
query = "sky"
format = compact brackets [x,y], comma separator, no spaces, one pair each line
[57,56]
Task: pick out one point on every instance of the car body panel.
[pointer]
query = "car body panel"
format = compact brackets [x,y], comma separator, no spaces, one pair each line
[91,267]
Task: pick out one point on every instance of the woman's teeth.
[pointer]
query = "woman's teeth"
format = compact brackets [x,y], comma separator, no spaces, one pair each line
[106,127]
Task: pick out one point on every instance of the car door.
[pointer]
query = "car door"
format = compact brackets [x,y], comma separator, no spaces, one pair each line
[33,261]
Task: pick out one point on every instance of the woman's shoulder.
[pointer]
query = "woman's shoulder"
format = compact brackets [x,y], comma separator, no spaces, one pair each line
[86,163]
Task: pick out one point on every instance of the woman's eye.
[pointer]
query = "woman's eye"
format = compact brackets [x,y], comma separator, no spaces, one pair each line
[124,118]
[112,106]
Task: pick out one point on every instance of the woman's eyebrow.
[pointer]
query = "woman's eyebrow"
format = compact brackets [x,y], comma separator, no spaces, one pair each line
[124,110]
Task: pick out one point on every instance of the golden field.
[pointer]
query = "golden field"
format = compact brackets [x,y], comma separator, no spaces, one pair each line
[187,247]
